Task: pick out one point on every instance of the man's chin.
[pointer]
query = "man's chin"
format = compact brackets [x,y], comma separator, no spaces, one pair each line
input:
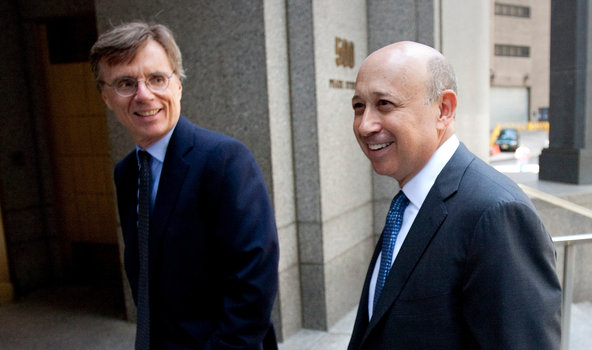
[381,170]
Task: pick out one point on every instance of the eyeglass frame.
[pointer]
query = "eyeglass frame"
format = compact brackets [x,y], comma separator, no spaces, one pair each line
[112,85]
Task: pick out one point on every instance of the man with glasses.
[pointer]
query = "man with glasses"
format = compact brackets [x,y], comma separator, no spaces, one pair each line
[201,249]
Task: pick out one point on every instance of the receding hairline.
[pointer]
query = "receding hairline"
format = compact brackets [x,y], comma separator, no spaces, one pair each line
[436,72]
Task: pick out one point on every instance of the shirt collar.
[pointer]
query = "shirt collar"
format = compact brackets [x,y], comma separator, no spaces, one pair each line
[419,186]
[158,149]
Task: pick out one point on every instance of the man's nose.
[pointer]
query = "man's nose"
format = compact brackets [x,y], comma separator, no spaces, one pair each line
[369,122]
[142,90]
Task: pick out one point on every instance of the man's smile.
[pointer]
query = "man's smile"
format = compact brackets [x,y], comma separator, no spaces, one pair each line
[378,146]
[148,113]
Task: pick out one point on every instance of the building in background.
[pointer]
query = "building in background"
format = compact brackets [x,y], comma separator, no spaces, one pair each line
[520,58]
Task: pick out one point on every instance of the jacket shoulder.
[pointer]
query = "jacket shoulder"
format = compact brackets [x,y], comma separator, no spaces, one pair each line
[204,139]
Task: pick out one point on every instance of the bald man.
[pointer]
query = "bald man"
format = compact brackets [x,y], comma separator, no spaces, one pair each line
[464,261]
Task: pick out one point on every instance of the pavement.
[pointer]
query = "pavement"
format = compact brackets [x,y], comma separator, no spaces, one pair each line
[85,318]
[88,318]
[63,318]
[338,336]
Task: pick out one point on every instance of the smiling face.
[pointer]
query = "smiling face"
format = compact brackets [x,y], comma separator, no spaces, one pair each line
[147,115]
[397,129]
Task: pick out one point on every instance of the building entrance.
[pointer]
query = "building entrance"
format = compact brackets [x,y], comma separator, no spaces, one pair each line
[83,188]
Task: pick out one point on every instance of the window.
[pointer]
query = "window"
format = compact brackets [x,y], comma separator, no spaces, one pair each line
[512,50]
[512,10]
[543,114]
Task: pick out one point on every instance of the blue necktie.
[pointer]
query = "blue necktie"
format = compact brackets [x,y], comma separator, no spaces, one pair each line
[389,237]
[143,322]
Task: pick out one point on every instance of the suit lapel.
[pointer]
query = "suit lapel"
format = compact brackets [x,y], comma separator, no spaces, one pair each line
[127,196]
[361,322]
[425,226]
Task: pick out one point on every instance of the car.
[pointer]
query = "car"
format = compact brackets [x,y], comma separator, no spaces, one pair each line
[508,140]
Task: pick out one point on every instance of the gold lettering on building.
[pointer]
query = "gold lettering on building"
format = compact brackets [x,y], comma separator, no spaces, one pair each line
[344,51]
[344,56]
[340,84]
[336,84]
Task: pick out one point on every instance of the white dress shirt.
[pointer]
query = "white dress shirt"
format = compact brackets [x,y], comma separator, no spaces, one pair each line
[416,191]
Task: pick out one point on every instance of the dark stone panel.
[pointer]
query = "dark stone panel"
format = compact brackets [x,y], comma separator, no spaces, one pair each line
[304,107]
[570,135]
[559,165]
[391,21]
[314,306]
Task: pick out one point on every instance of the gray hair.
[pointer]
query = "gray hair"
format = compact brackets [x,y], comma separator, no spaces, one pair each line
[441,77]
[122,43]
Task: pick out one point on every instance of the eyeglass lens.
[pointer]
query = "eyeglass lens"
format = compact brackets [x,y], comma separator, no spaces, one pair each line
[126,87]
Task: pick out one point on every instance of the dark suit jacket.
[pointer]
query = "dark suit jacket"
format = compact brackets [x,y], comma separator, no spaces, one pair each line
[213,243]
[476,271]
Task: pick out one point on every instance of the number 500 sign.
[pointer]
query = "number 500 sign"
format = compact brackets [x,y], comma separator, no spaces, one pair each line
[344,51]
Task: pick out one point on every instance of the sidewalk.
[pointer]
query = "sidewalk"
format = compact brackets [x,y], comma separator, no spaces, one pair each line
[64,318]
[337,337]
[69,318]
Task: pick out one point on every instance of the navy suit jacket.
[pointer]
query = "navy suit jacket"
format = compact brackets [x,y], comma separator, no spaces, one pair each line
[476,271]
[213,243]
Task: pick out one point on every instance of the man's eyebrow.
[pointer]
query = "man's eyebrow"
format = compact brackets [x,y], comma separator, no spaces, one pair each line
[120,77]
[377,94]
[126,76]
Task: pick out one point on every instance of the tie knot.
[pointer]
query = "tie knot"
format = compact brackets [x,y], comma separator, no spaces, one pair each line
[143,155]
[144,158]
[400,202]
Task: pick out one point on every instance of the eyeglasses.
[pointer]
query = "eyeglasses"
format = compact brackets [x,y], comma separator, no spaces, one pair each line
[127,86]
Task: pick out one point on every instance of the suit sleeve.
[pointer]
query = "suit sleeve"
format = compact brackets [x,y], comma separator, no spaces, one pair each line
[512,294]
[248,244]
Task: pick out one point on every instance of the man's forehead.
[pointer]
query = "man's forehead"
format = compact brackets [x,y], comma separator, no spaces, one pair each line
[143,62]
[382,79]
[405,56]
[115,69]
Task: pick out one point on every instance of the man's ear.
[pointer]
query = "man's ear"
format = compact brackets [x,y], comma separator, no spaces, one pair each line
[180,90]
[447,106]
[106,99]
